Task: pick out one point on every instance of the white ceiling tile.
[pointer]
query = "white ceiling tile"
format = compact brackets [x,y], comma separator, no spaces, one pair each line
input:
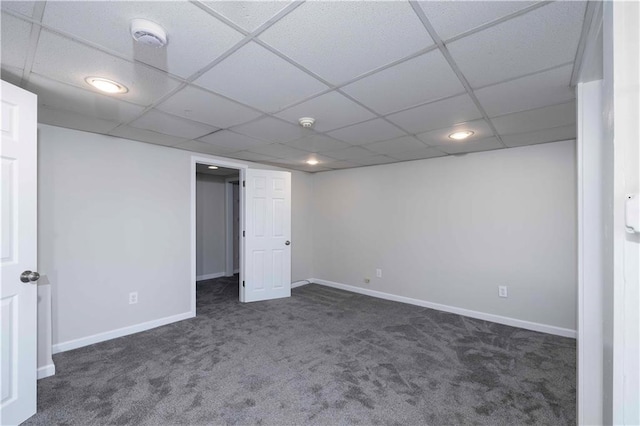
[251,156]
[450,18]
[161,122]
[205,107]
[281,151]
[425,78]
[54,94]
[143,135]
[533,91]
[395,146]
[270,129]
[352,153]
[472,146]
[543,38]
[418,154]
[145,85]
[437,115]
[536,119]
[337,165]
[15,41]
[259,78]
[541,136]
[367,132]
[11,74]
[374,160]
[195,38]
[22,7]
[356,36]
[317,143]
[247,14]
[480,129]
[301,159]
[72,120]
[331,111]
[204,148]
[232,141]
[310,169]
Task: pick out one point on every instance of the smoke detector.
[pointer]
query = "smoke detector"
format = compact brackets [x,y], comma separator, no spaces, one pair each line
[148,33]
[306,122]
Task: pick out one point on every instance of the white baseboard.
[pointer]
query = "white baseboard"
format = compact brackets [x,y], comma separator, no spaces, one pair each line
[300,283]
[210,276]
[46,371]
[534,326]
[125,331]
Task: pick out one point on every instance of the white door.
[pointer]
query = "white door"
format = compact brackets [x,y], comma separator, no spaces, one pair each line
[267,243]
[18,299]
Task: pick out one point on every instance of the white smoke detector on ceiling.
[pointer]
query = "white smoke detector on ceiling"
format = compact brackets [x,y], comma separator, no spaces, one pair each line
[306,122]
[148,33]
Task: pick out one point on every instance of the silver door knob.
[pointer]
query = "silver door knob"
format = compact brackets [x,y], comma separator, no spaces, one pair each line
[27,276]
[286,243]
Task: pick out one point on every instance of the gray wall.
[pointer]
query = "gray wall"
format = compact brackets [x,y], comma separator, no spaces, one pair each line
[451,230]
[210,225]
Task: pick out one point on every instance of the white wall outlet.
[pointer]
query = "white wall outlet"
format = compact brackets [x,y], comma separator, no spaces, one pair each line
[502,291]
[367,280]
[133,298]
[379,273]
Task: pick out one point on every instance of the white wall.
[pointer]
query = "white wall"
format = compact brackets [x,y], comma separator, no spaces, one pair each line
[450,230]
[210,226]
[114,217]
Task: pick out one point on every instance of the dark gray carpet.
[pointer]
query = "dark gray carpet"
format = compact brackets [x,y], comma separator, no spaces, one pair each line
[325,357]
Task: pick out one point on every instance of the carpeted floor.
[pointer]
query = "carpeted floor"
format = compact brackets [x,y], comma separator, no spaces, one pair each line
[324,357]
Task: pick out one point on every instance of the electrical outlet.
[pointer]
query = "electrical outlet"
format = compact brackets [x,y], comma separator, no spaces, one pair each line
[379,273]
[502,291]
[133,298]
[367,280]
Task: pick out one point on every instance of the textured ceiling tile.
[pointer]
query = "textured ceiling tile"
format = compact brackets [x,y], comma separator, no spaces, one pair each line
[160,122]
[437,115]
[232,141]
[200,105]
[450,18]
[395,146]
[15,41]
[317,143]
[270,129]
[251,156]
[537,40]
[541,136]
[374,160]
[352,153]
[480,129]
[259,78]
[356,36]
[337,165]
[72,120]
[204,148]
[69,62]
[11,74]
[418,154]
[331,110]
[144,135]
[471,146]
[247,14]
[367,132]
[536,119]
[534,91]
[22,7]
[281,151]
[54,94]
[190,31]
[425,78]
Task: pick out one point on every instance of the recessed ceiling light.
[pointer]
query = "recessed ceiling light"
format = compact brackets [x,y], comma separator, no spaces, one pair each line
[106,85]
[312,162]
[461,135]
[213,167]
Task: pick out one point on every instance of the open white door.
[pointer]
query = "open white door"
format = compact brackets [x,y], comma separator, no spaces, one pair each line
[267,260]
[18,299]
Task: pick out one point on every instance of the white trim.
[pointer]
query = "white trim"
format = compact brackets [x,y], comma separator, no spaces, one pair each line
[228,220]
[550,329]
[46,371]
[300,283]
[113,334]
[210,276]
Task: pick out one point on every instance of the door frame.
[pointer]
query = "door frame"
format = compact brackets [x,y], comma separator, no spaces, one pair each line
[229,237]
[210,161]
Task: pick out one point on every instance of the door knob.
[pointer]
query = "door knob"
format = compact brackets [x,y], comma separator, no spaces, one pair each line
[27,276]
[286,243]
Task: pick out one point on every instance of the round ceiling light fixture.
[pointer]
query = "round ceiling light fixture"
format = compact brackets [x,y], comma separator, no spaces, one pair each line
[307,122]
[213,167]
[148,33]
[460,135]
[106,85]
[312,162]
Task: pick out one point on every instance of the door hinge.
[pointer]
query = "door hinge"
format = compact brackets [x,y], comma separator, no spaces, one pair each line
[244,183]
[242,283]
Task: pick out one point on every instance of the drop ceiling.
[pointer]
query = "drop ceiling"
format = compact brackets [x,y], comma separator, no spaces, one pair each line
[385,81]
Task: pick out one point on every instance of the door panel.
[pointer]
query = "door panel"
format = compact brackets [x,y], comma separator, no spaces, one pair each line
[268,232]
[18,168]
